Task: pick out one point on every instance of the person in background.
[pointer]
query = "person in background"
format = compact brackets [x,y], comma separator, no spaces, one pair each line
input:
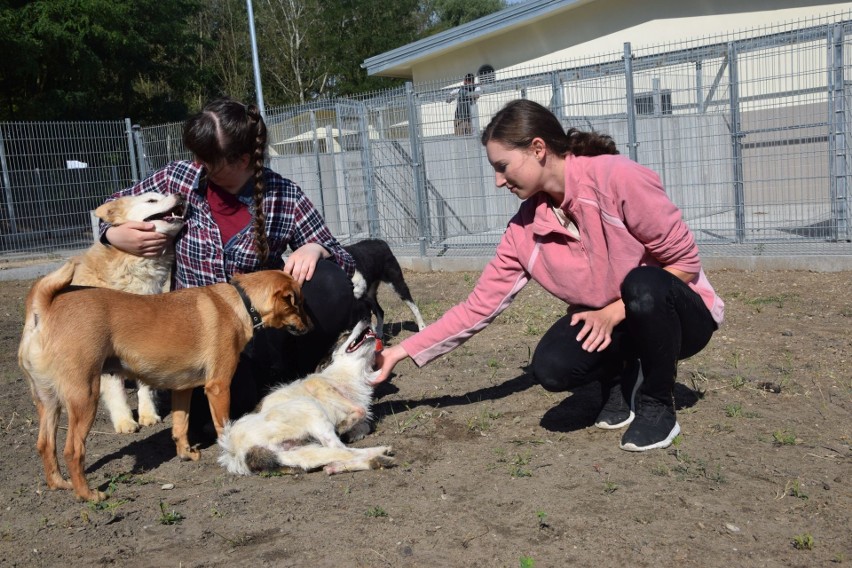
[597,231]
[243,217]
[466,94]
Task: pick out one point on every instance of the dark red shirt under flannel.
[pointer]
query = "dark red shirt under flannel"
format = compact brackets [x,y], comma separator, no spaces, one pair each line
[201,259]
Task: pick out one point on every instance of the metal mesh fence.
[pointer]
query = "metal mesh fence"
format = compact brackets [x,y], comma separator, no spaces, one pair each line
[53,175]
[748,131]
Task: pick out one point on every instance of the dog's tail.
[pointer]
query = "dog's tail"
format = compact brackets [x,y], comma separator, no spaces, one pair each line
[44,290]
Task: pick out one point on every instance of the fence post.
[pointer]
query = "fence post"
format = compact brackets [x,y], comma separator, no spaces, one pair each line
[838,187]
[417,173]
[736,142]
[632,144]
[317,162]
[7,188]
[140,151]
[557,101]
[131,149]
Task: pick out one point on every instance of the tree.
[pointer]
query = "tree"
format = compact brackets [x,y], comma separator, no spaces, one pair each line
[96,59]
[446,14]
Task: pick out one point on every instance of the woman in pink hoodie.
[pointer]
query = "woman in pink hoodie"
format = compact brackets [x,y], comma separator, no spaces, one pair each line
[597,231]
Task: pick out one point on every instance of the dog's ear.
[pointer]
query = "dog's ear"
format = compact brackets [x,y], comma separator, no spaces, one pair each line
[107,212]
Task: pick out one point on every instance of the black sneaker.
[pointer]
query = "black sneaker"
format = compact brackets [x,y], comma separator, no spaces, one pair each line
[655,426]
[618,398]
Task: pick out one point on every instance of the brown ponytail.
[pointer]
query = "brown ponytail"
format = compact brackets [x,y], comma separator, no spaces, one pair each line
[521,120]
[258,157]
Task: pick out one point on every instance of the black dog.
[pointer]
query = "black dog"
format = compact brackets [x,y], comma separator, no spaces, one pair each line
[374,264]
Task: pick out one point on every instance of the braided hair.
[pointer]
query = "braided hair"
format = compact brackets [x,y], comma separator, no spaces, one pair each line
[521,120]
[224,131]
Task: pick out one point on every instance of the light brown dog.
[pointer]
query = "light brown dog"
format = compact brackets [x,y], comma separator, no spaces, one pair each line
[178,340]
[108,267]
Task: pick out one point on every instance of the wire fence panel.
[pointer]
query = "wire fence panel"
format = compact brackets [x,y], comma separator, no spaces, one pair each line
[53,175]
[749,133]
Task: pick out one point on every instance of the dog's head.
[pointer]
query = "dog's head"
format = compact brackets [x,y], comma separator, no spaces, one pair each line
[165,211]
[356,346]
[278,298]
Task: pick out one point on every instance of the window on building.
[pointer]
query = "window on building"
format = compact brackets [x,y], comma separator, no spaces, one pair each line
[645,103]
[485,74]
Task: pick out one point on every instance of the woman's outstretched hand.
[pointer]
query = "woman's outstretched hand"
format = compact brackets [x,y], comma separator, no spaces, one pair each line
[386,360]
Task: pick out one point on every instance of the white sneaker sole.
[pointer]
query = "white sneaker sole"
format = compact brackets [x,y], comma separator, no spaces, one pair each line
[607,426]
[661,444]
[629,419]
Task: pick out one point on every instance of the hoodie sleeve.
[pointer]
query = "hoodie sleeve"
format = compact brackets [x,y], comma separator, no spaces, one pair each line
[496,288]
[652,218]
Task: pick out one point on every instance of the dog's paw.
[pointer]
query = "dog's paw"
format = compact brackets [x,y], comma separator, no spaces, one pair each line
[188,453]
[125,425]
[381,462]
[149,419]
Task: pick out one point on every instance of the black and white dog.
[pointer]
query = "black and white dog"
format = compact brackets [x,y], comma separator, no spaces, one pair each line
[374,264]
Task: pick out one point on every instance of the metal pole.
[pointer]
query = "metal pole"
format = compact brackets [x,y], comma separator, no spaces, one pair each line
[131,150]
[7,187]
[417,166]
[255,61]
[837,138]
[632,144]
[736,142]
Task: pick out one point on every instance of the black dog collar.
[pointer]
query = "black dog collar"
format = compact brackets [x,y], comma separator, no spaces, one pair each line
[256,322]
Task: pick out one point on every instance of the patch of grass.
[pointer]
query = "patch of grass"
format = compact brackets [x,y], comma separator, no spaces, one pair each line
[737,382]
[734,410]
[661,470]
[375,512]
[696,468]
[169,517]
[237,541]
[482,421]
[760,301]
[610,487]
[527,562]
[542,519]
[411,421]
[722,428]
[784,438]
[803,542]
[795,489]
[518,466]
[109,505]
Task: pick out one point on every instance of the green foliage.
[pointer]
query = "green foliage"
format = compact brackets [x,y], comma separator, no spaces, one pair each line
[803,542]
[96,59]
[156,61]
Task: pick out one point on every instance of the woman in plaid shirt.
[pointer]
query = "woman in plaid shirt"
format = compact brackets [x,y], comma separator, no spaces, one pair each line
[242,217]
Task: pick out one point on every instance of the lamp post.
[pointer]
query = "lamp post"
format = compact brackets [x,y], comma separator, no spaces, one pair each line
[255,62]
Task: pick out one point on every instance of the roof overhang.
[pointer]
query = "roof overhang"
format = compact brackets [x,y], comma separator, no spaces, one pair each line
[399,62]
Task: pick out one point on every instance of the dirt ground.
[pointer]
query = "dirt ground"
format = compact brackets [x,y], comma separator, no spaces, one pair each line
[492,470]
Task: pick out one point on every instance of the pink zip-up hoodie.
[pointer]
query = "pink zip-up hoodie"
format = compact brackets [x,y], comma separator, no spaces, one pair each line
[625,220]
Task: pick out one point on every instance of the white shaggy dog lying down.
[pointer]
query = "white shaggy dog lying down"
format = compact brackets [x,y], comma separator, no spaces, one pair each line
[297,425]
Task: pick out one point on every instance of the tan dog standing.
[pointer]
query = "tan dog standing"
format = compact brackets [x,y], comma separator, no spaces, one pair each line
[108,267]
[178,340]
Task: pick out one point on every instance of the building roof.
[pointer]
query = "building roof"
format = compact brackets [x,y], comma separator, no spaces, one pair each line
[398,62]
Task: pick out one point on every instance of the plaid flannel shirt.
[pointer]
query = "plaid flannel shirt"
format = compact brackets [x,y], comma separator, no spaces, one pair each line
[201,259]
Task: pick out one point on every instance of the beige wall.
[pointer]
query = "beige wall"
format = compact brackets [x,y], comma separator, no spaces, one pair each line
[602,27]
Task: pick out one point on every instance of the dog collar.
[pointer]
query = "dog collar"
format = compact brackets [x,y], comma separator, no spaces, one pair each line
[256,321]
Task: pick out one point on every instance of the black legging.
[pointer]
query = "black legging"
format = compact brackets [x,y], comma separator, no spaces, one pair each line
[665,321]
[274,356]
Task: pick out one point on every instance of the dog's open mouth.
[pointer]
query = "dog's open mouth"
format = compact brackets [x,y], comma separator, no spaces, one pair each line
[365,335]
[173,215]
